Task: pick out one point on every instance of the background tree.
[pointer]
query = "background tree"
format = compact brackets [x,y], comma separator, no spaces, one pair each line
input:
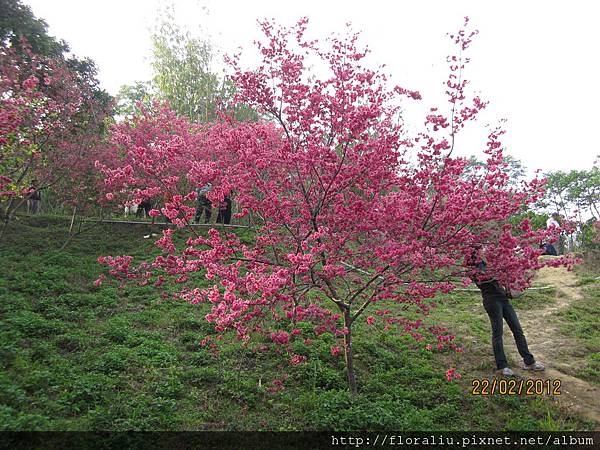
[50,100]
[576,196]
[514,168]
[573,194]
[43,107]
[131,96]
[183,70]
[17,21]
[587,191]
[150,155]
[185,75]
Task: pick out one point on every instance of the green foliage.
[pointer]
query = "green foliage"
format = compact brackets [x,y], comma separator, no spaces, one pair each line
[577,189]
[514,168]
[537,220]
[184,73]
[17,20]
[130,95]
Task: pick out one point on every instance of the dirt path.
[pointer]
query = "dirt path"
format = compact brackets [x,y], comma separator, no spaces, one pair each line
[555,350]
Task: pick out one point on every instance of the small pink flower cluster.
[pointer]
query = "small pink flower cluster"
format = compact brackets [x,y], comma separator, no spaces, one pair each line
[297,359]
[280,337]
[452,374]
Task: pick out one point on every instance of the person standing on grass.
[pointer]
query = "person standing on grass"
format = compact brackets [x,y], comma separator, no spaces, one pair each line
[204,204]
[496,301]
[552,222]
[34,198]
[224,215]
[144,208]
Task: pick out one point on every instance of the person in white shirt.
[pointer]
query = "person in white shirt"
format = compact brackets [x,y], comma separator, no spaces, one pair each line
[552,222]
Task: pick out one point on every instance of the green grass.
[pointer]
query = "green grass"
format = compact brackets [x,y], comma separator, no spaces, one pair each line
[580,321]
[535,299]
[79,357]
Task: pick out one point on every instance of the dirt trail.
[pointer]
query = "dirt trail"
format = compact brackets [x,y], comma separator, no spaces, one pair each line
[555,350]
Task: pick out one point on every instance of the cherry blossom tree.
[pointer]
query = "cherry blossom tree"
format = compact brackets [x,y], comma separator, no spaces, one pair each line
[72,171]
[45,107]
[355,218]
[153,153]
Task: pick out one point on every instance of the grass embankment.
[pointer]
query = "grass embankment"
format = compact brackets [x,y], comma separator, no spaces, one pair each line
[580,321]
[79,357]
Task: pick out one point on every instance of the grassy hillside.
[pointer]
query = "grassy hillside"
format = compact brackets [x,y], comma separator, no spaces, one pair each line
[580,321]
[79,357]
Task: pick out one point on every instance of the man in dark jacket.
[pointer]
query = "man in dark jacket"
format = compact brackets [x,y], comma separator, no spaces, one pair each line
[224,215]
[498,307]
[34,198]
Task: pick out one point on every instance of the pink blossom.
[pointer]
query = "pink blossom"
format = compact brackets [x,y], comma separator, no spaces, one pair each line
[30,82]
[280,337]
[99,280]
[452,374]
[297,359]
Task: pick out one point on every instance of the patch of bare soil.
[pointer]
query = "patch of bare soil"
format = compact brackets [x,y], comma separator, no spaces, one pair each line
[555,350]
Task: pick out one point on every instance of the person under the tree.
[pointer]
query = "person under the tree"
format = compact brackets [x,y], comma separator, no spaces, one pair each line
[224,215]
[204,204]
[496,301]
[34,198]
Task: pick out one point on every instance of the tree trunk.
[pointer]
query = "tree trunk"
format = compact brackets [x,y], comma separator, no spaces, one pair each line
[72,219]
[349,354]
[6,218]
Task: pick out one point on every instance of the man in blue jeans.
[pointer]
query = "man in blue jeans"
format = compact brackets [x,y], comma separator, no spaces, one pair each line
[498,307]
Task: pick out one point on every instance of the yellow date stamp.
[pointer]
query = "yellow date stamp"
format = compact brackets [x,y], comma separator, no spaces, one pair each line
[502,386]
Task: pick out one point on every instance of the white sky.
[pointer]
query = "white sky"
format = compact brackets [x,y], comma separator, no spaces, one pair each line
[536,61]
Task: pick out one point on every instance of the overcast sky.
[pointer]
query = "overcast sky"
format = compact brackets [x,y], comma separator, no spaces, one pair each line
[537,62]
